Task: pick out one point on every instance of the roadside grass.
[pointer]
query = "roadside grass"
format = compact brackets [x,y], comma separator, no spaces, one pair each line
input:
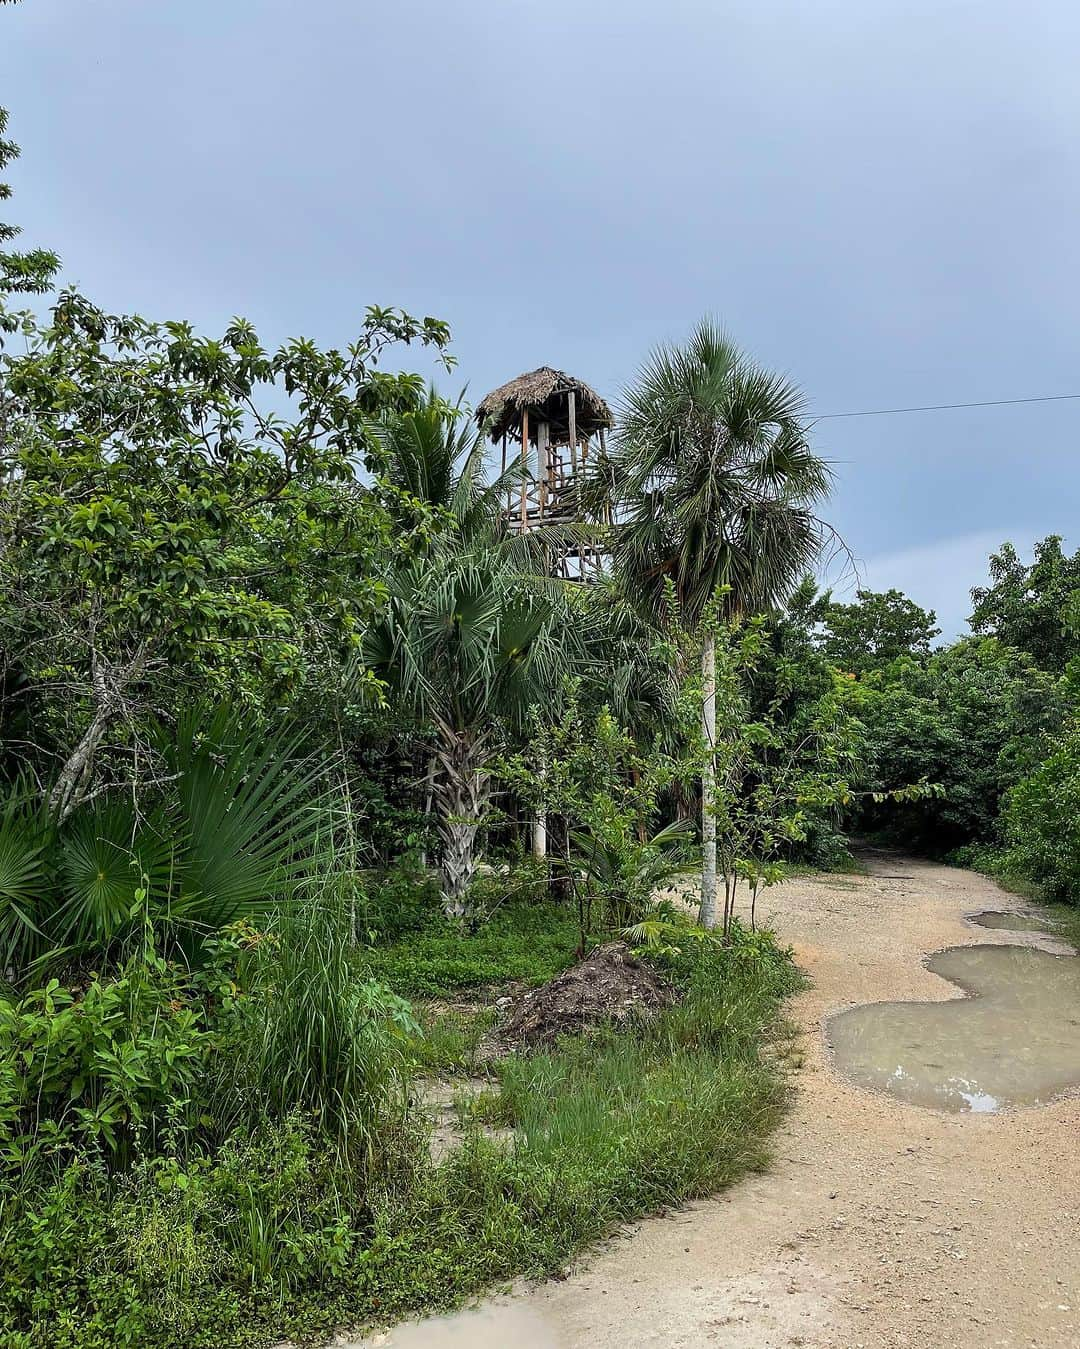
[277,1234]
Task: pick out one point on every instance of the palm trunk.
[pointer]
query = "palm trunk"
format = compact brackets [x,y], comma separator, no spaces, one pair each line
[462,793]
[429,799]
[707,913]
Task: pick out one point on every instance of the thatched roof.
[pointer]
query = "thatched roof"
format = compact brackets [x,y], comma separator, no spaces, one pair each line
[542,393]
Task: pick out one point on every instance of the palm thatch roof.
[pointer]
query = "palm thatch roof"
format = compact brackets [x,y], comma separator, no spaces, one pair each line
[543,395]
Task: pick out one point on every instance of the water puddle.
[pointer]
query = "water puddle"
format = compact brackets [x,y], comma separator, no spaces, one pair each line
[490,1327]
[1010,921]
[1014,1040]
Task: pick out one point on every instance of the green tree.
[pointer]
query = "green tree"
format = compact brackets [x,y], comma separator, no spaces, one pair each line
[877,628]
[28,272]
[434,457]
[182,510]
[1042,821]
[1030,606]
[973,718]
[712,483]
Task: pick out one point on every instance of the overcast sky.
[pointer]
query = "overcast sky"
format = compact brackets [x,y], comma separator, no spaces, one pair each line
[879,198]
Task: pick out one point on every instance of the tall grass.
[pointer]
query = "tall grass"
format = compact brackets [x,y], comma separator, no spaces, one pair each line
[313,1034]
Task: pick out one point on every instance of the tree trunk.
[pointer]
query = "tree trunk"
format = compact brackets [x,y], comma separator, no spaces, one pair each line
[540,836]
[429,796]
[462,792]
[109,684]
[707,913]
[71,783]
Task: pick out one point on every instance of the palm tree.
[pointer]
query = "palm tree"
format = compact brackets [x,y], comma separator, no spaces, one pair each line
[468,644]
[712,484]
[435,456]
[479,583]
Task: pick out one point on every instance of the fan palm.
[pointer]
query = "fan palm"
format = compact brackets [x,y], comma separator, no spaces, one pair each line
[240,826]
[435,455]
[468,643]
[712,483]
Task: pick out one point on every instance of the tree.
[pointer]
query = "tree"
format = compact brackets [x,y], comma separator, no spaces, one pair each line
[435,458]
[973,718]
[1030,606]
[877,628]
[712,483]
[182,510]
[1042,821]
[468,643]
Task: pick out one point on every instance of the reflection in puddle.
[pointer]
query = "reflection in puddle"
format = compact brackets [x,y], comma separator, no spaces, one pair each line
[1014,1041]
[490,1327]
[1011,922]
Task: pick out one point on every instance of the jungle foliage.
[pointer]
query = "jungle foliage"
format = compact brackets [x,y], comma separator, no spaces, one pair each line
[306,758]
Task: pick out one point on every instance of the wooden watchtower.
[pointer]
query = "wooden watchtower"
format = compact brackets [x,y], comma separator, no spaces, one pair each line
[553,425]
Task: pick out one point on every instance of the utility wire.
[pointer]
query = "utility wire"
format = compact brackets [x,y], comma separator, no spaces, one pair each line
[945,407]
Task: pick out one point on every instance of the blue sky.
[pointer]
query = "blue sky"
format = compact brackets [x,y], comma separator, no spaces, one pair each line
[880,199]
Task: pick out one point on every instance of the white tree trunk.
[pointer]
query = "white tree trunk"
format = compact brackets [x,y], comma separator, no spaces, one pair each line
[539,839]
[707,913]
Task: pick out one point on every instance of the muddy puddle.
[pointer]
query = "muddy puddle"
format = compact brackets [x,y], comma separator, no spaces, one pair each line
[1009,921]
[1013,1040]
[492,1327]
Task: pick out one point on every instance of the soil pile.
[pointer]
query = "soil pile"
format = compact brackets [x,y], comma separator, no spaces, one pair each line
[611,985]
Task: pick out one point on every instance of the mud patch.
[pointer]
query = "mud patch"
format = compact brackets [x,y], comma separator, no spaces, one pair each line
[1008,920]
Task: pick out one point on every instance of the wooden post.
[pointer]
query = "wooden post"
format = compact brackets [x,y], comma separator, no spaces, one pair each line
[603,458]
[542,438]
[524,469]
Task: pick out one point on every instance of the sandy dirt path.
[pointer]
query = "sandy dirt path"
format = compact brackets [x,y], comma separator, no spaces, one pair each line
[879,1224]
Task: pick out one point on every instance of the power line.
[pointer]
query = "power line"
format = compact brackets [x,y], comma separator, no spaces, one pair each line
[947,407]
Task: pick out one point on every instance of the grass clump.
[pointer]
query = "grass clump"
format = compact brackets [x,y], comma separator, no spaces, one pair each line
[449,1038]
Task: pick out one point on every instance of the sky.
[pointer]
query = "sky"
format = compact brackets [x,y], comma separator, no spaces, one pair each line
[880,199]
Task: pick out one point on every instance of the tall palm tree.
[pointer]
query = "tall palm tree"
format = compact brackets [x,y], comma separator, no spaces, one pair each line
[712,483]
[475,631]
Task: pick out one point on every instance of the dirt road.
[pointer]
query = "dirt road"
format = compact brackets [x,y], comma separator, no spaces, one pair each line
[879,1224]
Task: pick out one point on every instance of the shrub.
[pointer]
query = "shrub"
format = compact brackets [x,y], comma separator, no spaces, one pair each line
[238,831]
[1042,823]
[111,1067]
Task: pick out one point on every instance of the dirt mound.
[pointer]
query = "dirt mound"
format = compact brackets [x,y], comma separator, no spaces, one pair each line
[610,985]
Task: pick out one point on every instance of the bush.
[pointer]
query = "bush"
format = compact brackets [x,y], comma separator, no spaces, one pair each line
[274,1232]
[236,833]
[109,1068]
[1042,823]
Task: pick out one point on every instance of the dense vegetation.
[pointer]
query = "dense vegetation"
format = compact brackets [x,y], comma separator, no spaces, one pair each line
[305,756]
